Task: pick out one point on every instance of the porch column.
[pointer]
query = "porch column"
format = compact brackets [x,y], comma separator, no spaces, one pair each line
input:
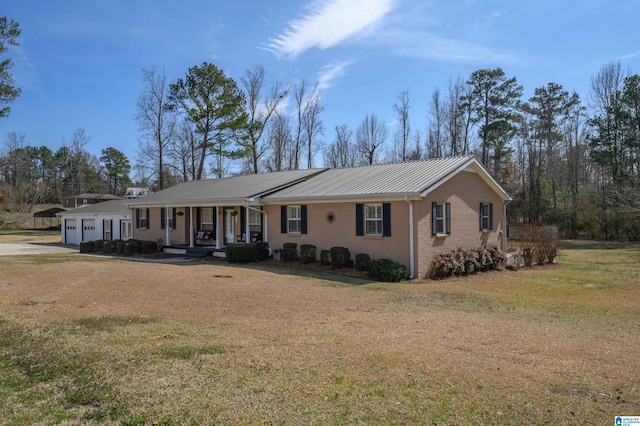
[167,240]
[191,239]
[265,227]
[218,227]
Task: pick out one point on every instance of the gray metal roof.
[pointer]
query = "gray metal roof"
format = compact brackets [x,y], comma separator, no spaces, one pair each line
[397,179]
[106,207]
[223,190]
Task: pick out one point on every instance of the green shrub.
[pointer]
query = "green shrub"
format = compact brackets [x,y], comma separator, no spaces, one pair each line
[98,246]
[363,262]
[120,247]
[498,258]
[325,257]
[289,252]
[251,252]
[307,253]
[148,247]
[108,247]
[340,257]
[388,271]
[131,247]
[86,246]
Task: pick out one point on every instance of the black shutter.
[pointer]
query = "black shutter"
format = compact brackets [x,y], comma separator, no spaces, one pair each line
[137,218]
[243,220]
[283,219]
[198,219]
[386,219]
[359,219]
[448,208]
[111,229]
[174,217]
[491,216]
[480,215]
[303,219]
[162,217]
[433,218]
[148,224]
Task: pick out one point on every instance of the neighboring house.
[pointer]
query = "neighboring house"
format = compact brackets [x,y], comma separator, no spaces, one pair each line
[86,199]
[109,220]
[404,211]
[137,192]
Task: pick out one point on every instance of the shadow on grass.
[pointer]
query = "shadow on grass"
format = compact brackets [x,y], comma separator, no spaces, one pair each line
[597,245]
[289,269]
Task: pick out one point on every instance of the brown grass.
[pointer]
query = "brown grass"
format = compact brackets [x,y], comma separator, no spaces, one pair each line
[206,343]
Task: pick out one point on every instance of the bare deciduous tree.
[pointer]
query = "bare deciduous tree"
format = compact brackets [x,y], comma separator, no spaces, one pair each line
[403,133]
[370,136]
[341,153]
[260,112]
[155,122]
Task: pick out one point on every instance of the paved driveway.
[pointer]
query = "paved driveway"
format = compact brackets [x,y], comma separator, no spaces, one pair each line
[13,249]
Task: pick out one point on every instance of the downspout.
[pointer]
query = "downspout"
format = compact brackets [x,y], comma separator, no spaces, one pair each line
[247,228]
[411,239]
[504,228]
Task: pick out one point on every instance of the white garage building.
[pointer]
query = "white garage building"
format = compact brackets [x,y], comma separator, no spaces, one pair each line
[109,220]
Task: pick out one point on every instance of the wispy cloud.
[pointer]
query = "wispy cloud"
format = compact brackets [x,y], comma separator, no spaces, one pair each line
[432,46]
[330,72]
[24,71]
[630,55]
[328,24]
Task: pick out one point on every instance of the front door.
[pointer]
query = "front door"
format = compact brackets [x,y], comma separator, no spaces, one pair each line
[125,229]
[229,226]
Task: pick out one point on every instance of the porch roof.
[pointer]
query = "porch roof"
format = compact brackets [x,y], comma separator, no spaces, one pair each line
[223,191]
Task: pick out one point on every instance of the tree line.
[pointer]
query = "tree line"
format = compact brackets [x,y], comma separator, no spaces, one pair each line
[566,161]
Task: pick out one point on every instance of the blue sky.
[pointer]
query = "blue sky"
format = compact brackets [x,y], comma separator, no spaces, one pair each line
[79,62]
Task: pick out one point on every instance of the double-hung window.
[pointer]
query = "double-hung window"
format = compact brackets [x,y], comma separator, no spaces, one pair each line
[440,218]
[486,216]
[293,219]
[106,227]
[171,222]
[142,218]
[206,218]
[294,222]
[373,219]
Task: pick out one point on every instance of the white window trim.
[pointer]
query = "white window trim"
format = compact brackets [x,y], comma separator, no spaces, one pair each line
[378,207]
[486,217]
[144,219]
[203,222]
[297,219]
[441,220]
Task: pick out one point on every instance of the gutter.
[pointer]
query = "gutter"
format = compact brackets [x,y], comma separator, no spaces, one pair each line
[411,239]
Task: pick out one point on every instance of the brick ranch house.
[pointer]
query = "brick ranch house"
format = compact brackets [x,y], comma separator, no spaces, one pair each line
[403,211]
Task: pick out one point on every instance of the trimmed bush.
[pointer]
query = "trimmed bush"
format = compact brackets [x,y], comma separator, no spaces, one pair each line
[148,247]
[363,262]
[289,252]
[131,247]
[251,252]
[120,247]
[86,246]
[467,261]
[307,253]
[98,246]
[340,257]
[325,257]
[109,247]
[388,271]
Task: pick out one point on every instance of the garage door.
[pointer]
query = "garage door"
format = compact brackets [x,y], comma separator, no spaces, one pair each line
[71,234]
[88,229]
